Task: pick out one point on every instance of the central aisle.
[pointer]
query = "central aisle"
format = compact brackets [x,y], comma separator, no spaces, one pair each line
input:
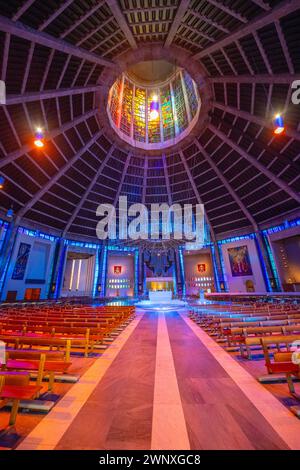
[164,389]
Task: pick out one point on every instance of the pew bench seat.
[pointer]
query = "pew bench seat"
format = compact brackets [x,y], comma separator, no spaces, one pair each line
[14,394]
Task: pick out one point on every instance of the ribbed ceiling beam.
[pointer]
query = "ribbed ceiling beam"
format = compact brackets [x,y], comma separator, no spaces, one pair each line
[228,10]
[209,21]
[82,18]
[56,13]
[118,14]
[196,192]
[145,180]
[294,134]
[180,13]
[29,34]
[51,135]
[262,4]
[88,190]
[23,9]
[283,9]
[167,180]
[53,180]
[227,185]
[262,168]
[48,94]
[282,79]
[124,173]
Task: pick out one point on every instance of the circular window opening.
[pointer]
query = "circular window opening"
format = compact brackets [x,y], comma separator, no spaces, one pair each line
[153,105]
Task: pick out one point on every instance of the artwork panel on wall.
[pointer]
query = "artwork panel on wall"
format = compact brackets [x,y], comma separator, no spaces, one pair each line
[240,261]
[117,269]
[201,268]
[21,262]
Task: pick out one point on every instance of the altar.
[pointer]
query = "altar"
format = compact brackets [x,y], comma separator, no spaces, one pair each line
[160,296]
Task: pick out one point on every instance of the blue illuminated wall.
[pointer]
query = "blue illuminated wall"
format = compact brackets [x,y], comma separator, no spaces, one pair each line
[260,254]
[39,266]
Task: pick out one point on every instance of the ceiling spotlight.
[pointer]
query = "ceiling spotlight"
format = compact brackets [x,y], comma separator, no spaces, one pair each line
[2,181]
[39,143]
[278,124]
[10,213]
[39,138]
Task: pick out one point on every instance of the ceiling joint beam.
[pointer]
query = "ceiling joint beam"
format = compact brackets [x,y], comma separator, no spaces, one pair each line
[22,31]
[180,13]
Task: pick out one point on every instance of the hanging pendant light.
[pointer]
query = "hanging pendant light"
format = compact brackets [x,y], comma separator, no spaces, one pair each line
[154,108]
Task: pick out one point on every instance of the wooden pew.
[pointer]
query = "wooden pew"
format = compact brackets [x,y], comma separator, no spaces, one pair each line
[50,342]
[282,363]
[15,393]
[42,366]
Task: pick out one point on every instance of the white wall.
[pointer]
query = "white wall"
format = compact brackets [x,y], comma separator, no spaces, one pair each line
[39,266]
[83,277]
[238,284]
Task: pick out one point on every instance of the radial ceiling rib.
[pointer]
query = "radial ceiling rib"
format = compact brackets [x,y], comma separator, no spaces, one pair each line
[24,32]
[82,18]
[262,4]
[281,79]
[124,173]
[5,56]
[284,47]
[196,192]
[56,13]
[263,169]
[96,30]
[116,11]
[23,9]
[58,175]
[145,181]
[167,180]
[209,21]
[88,190]
[51,135]
[48,94]
[182,9]
[227,185]
[228,10]
[294,134]
[283,9]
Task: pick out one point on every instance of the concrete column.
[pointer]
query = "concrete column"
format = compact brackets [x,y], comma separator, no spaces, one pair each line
[103,270]
[59,264]
[269,269]
[141,273]
[218,269]
[6,251]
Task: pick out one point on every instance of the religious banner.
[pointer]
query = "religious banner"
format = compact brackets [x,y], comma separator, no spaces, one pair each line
[239,261]
[117,269]
[21,262]
[201,268]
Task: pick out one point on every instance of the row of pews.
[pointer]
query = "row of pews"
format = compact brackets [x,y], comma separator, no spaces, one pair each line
[37,342]
[253,329]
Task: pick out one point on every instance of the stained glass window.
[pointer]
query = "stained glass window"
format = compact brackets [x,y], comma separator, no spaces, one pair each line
[139,129]
[175,110]
[153,125]
[191,94]
[181,113]
[115,101]
[126,115]
[167,113]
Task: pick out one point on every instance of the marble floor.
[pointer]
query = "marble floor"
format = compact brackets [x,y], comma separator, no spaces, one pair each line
[165,384]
